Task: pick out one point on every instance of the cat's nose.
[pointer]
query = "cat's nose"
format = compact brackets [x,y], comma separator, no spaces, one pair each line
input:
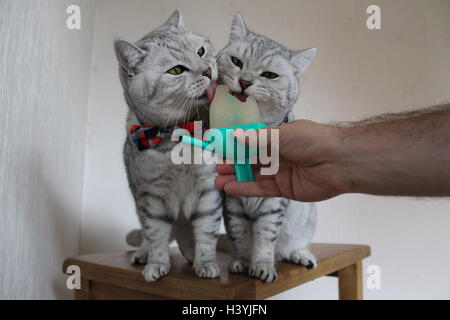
[208,73]
[244,84]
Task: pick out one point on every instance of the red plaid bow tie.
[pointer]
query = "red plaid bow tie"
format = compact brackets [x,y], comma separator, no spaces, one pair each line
[145,136]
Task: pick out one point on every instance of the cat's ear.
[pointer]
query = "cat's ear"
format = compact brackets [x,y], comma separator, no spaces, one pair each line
[176,19]
[238,28]
[301,59]
[128,54]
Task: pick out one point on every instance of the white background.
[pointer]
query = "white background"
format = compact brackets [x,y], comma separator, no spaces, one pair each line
[44,85]
[356,73]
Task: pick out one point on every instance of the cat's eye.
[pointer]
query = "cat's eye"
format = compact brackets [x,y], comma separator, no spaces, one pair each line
[177,70]
[201,51]
[237,62]
[269,75]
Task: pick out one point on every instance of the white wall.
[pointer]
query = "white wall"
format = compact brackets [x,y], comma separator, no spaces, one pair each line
[356,73]
[44,83]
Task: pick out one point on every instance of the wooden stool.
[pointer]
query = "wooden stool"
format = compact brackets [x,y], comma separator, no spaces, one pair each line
[112,276]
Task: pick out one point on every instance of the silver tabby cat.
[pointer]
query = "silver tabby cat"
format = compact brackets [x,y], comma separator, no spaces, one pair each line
[164,77]
[264,230]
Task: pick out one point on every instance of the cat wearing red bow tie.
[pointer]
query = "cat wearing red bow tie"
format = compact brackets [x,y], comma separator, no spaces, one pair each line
[168,79]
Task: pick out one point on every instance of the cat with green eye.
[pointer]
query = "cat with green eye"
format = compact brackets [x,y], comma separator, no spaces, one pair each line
[165,91]
[265,230]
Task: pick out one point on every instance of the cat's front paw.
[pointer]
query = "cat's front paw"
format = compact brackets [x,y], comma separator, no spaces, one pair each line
[238,266]
[154,271]
[264,271]
[139,257]
[207,269]
[303,257]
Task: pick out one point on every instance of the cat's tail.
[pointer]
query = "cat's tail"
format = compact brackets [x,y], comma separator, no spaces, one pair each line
[135,238]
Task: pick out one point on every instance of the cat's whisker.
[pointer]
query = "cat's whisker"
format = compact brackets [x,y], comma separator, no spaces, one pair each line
[179,105]
[186,108]
[188,114]
[198,115]
[174,110]
[182,107]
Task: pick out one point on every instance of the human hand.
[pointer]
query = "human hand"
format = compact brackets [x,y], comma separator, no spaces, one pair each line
[308,168]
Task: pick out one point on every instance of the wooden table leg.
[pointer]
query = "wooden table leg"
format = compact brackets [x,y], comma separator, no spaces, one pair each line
[350,282]
[84,292]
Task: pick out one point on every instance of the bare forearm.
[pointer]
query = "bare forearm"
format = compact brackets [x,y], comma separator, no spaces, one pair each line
[398,154]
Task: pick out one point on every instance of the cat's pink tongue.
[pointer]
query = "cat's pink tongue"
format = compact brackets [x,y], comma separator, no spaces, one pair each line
[211,90]
[240,96]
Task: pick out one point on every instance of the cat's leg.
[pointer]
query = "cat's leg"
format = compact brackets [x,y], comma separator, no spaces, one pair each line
[265,232]
[205,223]
[266,228]
[239,231]
[157,232]
[140,256]
[298,227]
[303,257]
[156,221]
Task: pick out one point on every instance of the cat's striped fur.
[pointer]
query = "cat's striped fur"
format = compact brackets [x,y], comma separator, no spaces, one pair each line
[264,230]
[172,201]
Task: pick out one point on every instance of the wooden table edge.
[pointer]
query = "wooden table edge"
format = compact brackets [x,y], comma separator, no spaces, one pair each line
[264,291]
[249,289]
[91,271]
